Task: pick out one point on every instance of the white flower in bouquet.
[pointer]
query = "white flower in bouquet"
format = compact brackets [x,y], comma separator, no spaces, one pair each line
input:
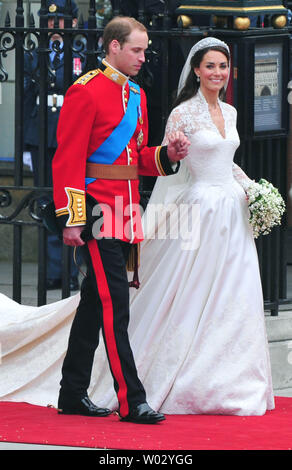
[266,207]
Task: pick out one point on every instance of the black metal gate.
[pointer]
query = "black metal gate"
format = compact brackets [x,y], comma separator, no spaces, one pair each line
[260,155]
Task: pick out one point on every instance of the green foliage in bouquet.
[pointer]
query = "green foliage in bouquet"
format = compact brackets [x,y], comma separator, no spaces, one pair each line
[266,207]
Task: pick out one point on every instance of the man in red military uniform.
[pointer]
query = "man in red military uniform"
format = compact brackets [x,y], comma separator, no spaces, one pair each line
[102,148]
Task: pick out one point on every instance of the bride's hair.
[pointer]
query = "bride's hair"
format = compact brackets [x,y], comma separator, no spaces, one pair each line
[191,85]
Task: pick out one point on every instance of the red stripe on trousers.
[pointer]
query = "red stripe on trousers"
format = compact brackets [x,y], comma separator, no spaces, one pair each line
[108,322]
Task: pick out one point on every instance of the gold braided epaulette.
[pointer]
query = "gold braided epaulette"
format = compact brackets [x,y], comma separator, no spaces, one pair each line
[87,77]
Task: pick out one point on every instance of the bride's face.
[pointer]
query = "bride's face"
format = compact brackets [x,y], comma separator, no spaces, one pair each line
[213,71]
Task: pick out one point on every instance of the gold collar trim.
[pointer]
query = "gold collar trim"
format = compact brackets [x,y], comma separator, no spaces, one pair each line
[113,74]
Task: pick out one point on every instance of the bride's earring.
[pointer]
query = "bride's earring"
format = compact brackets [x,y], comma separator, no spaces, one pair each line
[198,79]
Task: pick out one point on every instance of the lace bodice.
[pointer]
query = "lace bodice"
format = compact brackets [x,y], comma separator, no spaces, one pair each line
[210,157]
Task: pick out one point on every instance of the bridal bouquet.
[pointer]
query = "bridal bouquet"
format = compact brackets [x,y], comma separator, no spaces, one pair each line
[266,207]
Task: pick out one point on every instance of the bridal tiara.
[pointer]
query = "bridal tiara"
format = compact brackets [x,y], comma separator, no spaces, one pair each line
[209,42]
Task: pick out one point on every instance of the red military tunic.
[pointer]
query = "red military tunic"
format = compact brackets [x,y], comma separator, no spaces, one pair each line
[92,108]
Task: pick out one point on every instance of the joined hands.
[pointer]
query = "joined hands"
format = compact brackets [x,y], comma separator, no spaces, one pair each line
[178,146]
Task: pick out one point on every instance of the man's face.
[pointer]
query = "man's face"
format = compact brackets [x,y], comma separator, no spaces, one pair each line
[51,23]
[129,57]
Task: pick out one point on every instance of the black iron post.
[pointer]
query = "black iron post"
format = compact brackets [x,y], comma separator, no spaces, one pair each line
[18,166]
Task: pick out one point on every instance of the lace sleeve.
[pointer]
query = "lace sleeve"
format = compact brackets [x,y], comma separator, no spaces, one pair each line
[182,118]
[174,123]
[240,176]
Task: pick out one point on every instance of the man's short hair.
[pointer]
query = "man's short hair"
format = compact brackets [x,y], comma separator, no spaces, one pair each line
[120,28]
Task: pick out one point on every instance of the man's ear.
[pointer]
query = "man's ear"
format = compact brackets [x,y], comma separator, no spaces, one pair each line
[114,46]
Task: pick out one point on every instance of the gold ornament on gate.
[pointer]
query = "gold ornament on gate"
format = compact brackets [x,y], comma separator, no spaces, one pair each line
[184,21]
[242,23]
[279,21]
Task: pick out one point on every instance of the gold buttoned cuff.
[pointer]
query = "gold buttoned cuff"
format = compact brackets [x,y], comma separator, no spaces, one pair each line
[76,208]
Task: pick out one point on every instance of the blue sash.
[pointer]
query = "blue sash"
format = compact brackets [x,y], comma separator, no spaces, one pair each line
[116,142]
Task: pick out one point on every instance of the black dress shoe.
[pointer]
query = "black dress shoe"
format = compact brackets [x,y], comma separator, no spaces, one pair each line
[143,414]
[83,406]
[52,284]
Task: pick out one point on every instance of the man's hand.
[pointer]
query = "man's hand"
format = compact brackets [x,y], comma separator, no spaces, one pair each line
[178,146]
[71,236]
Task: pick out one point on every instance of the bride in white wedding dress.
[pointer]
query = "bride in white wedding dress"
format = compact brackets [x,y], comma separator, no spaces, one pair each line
[197,325]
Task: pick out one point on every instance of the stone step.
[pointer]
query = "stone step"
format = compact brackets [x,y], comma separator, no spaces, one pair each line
[279,333]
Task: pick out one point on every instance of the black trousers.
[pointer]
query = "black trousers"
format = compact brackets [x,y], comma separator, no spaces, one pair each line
[104,305]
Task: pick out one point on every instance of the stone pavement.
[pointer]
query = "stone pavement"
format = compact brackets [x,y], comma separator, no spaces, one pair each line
[29,283]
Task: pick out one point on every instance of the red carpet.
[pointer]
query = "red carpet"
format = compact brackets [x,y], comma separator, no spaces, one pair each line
[24,423]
